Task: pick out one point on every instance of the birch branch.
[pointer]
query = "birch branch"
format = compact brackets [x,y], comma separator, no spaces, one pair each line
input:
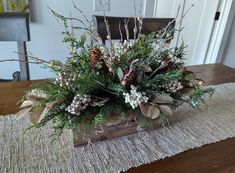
[135,20]
[127,29]
[120,31]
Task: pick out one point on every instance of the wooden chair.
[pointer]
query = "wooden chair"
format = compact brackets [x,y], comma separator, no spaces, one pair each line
[15,27]
[149,25]
[15,76]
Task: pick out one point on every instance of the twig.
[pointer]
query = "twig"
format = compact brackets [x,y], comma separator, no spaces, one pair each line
[141,18]
[57,15]
[111,54]
[140,25]
[10,60]
[33,57]
[135,20]
[100,98]
[141,9]
[127,29]
[170,23]
[72,26]
[99,83]
[78,27]
[111,92]
[120,31]
[179,22]
[90,27]
[81,12]
[109,37]
[171,30]
[108,31]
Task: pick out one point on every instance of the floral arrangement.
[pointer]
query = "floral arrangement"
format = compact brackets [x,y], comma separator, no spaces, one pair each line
[143,80]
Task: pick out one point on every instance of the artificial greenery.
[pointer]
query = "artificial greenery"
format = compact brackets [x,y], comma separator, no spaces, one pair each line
[97,83]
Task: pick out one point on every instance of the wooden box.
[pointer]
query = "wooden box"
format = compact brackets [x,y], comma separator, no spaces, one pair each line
[105,133]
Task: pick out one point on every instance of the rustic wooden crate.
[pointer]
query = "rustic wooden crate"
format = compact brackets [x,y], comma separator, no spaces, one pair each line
[110,132]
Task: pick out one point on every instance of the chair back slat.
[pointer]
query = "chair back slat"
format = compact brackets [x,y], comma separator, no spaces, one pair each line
[149,25]
[14,27]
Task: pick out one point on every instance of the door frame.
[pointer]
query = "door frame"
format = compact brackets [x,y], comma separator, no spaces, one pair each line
[219,33]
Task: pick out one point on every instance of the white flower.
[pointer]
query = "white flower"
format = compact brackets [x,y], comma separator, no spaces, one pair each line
[121,48]
[135,98]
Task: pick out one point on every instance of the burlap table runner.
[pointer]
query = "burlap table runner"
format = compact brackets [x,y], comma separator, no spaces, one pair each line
[32,152]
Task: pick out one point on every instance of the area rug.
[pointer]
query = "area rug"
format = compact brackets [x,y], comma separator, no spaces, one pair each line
[33,152]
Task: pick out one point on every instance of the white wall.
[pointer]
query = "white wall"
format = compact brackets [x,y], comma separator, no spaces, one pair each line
[46,32]
[228,57]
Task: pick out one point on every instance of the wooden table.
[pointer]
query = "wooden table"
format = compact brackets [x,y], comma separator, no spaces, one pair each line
[212,158]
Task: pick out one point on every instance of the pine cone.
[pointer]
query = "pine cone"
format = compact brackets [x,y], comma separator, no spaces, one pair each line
[95,55]
[129,78]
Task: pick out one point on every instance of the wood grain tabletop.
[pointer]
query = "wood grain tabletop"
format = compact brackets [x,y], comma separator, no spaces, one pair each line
[213,158]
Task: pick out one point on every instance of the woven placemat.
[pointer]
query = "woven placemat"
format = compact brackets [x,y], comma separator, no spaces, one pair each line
[32,152]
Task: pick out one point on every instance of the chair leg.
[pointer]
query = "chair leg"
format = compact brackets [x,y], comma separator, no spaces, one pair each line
[24,65]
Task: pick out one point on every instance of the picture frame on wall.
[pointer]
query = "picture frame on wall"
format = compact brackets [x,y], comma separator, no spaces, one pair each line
[14,6]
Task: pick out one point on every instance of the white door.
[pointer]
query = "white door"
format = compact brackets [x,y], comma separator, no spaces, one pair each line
[198,24]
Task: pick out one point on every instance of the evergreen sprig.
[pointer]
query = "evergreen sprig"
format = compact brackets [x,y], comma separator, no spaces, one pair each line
[163,78]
